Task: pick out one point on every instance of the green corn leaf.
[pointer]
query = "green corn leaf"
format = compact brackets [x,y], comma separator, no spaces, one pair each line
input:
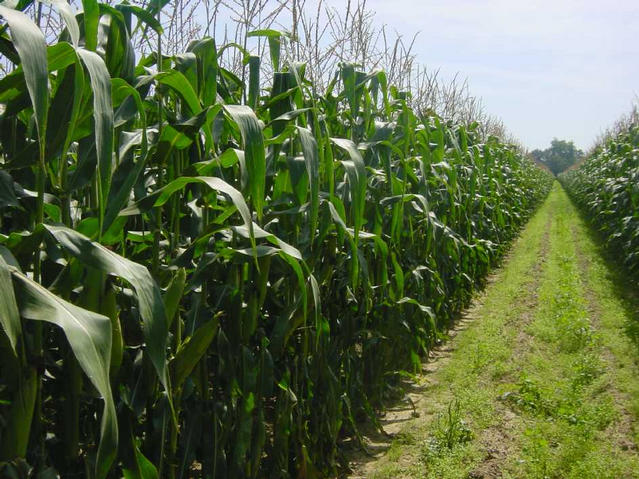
[89,335]
[356,171]
[103,118]
[154,322]
[399,277]
[253,141]
[114,40]
[9,315]
[66,12]
[8,49]
[245,53]
[161,196]
[144,469]
[178,82]
[125,175]
[192,350]
[227,159]
[173,294]
[259,233]
[186,63]
[59,56]
[206,53]
[423,309]
[74,116]
[254,81]
[274,44]
[155,6]
[91,21]
[311,158]
[32,49]
[317,305]
[144,16]
[290,115]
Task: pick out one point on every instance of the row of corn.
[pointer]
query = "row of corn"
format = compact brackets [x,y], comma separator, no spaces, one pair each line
[606,187]
[204,277]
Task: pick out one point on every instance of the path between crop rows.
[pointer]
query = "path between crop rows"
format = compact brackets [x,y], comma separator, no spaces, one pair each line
[541,378]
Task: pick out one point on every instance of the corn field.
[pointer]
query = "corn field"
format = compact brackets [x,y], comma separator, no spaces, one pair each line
[201,277]
[606,187]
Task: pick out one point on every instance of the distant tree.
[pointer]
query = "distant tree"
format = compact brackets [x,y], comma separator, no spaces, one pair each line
[537,154]
[560,156]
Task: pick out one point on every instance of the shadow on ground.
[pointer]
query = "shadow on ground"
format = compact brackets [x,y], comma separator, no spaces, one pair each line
[625,283]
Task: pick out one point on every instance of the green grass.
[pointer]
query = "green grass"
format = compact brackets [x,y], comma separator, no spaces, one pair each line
[545,374]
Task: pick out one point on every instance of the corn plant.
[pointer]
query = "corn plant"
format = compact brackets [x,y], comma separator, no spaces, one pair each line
[605,187]
[203,278]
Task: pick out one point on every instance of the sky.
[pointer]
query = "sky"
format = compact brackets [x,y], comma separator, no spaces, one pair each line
[549,69]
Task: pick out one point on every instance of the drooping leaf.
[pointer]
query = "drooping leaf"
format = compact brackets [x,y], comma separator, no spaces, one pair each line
[154,322]
[66,12]
[253,142]
[161,196]
[206,54]
[178,82]
[32,49]
[274,44]
[9,315]
[89,335]
[144,16]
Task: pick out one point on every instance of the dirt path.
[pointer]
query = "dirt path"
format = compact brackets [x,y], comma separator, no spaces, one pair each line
[540,379]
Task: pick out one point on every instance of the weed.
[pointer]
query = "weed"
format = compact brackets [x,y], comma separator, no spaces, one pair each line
[450,431]
[587,367]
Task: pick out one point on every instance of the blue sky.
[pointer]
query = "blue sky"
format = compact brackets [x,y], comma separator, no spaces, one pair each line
[562,68]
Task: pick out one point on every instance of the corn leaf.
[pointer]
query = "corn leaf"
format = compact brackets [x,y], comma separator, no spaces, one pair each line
[89,335]
[154,322]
